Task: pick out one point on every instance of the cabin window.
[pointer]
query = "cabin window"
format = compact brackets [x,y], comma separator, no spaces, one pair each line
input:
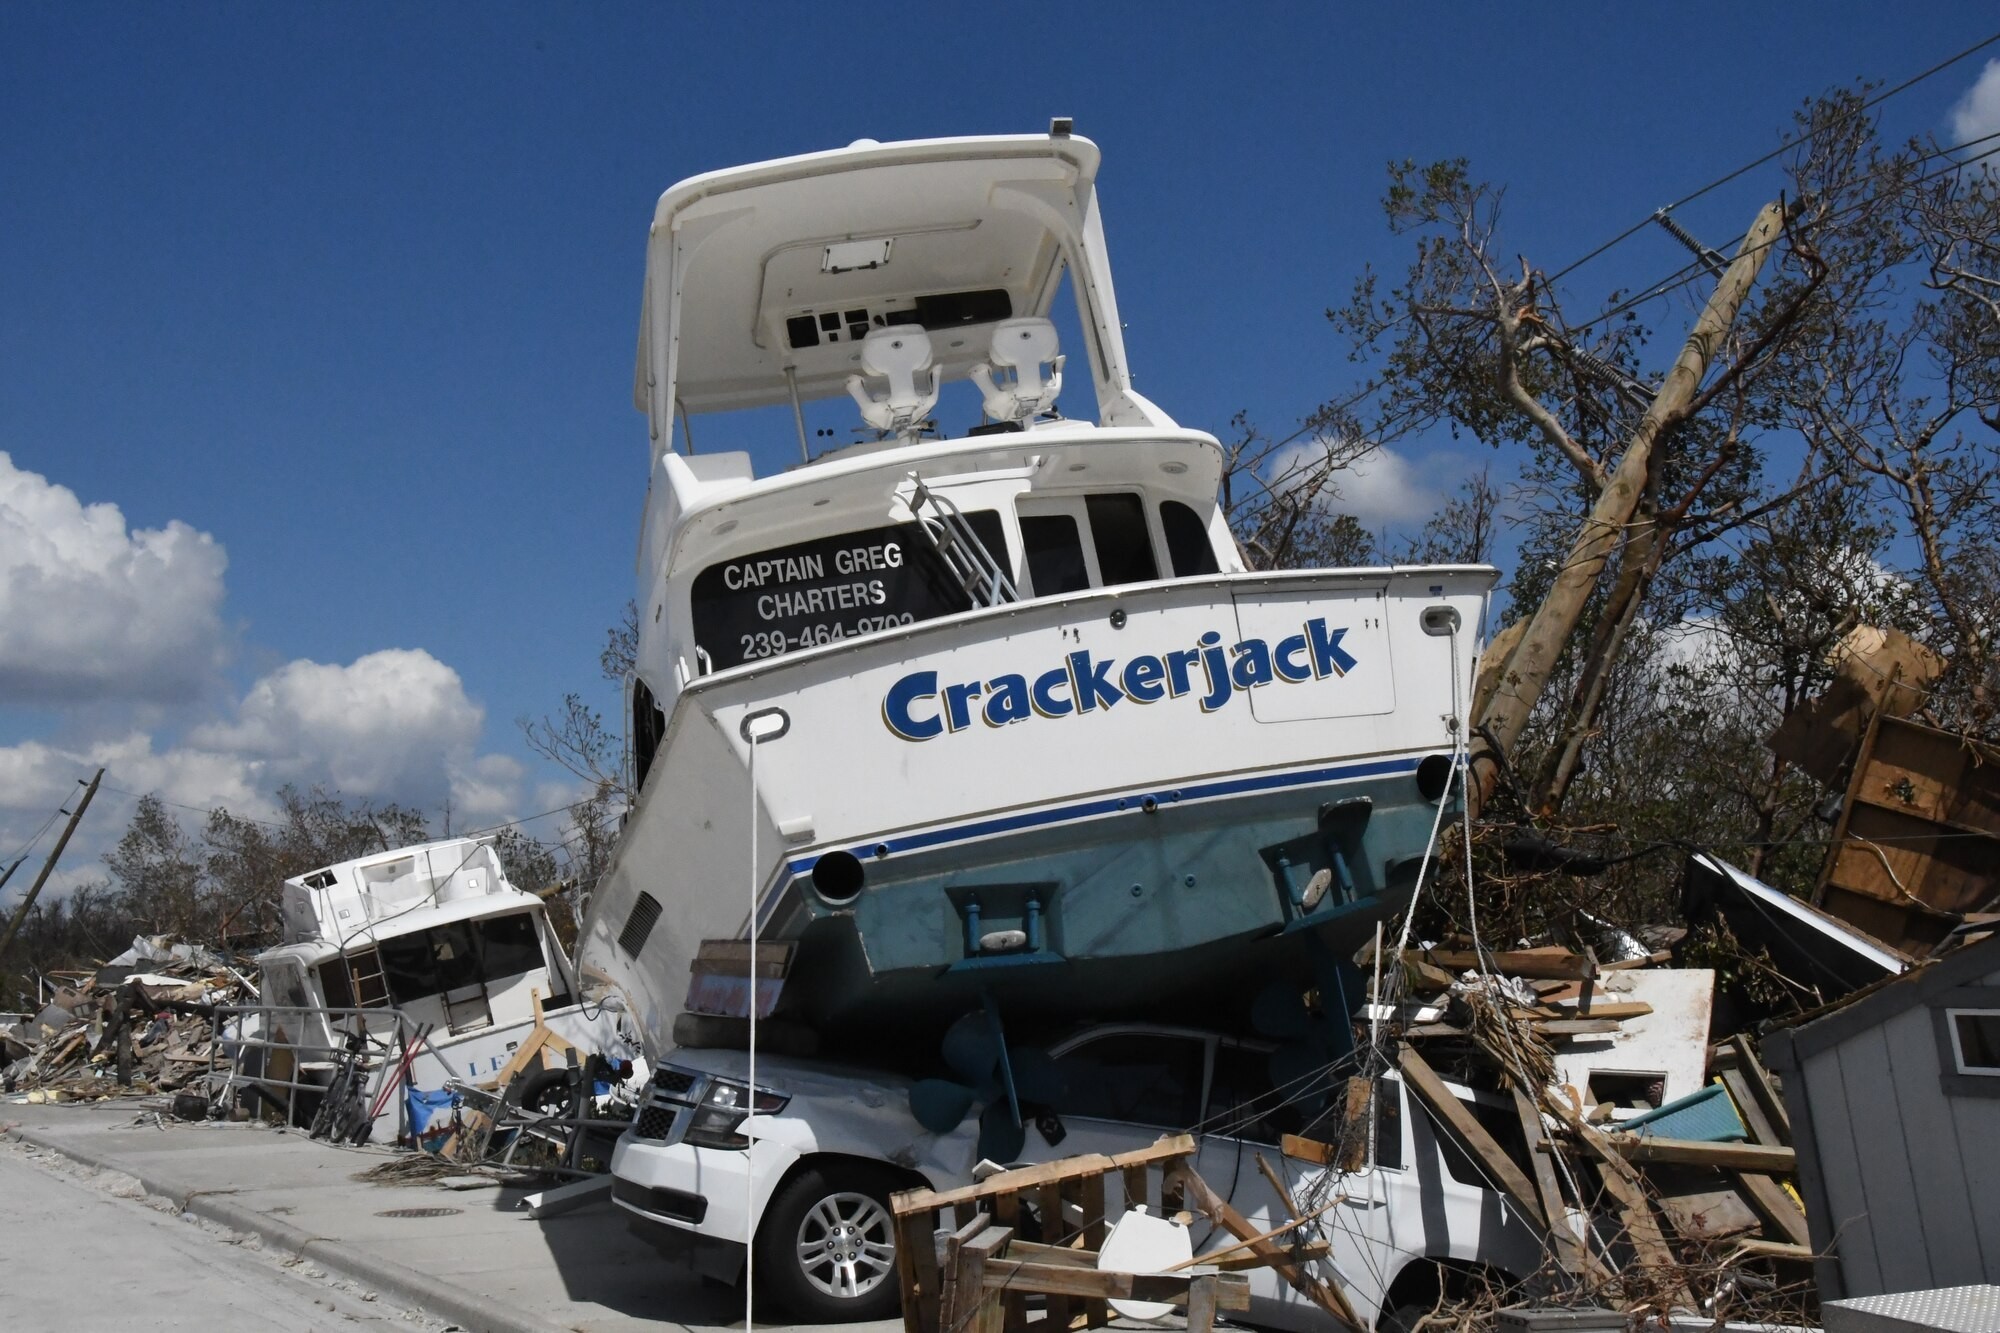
[648,728]
[1141,1078]
[1188,546]
[1054,549]
[1975,1040]
[787,598]
[1124,544]
[1241,1096]
[460,955]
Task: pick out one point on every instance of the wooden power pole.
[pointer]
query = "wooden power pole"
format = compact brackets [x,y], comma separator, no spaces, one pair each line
[1519,682]
[48,866]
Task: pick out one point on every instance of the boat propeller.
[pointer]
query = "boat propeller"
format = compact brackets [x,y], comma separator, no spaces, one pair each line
[988,1075]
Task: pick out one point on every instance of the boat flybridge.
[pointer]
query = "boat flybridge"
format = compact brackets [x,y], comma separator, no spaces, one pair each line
[437,933]
[1026,728]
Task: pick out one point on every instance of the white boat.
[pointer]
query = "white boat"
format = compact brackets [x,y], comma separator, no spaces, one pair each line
[1029,729]
[432,936]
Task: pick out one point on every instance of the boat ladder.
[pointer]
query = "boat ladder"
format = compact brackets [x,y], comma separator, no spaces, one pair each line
[944,525]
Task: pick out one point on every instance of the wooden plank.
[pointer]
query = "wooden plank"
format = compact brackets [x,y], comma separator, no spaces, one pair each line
[1709,1214]
[1737,1085]
[965,1306]
[1776,1206]
[1136,1186]
[1641,1227]
[1552,963]
[1570,1252]
[1201,1303]
[1048,1202]
[1688,1152]
[1578,1027]
[1423,1080]
[1771,1200]
[1014,1304]
[1037,1252]
[1762,1088]
[917,1279]
[1250,1243]
[1033,1278]
[1328,1295]
[1619,1009]
[1093,1193]
[1007,1182]
[1163,1149]
[1308,1150]
[953,1312]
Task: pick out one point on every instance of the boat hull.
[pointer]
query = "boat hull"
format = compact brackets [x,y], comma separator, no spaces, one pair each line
[1036,800]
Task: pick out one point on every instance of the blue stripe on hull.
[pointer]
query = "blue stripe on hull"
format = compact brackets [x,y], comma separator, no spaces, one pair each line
[1110,805]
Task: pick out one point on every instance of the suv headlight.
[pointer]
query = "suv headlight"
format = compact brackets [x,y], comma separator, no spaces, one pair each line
[723,1110]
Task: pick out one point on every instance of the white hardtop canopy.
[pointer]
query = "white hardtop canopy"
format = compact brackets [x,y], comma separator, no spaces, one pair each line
[335,902]
[762,280]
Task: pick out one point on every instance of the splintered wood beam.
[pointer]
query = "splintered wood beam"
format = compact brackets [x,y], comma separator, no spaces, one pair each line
[1689,1152]
[1772,1201]
[1642,1228]
[1328,1296]
[1571,1252]
[1423,1080]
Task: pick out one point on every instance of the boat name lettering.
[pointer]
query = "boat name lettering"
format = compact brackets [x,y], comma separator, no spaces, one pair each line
[919,708]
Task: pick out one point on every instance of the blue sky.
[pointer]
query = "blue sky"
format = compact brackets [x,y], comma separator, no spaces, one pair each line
[336,303]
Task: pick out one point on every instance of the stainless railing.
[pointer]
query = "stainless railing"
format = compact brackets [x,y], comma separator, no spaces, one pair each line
[287,1057]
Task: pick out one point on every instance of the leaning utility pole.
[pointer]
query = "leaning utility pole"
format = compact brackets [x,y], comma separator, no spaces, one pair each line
[1519,682]
[48,867]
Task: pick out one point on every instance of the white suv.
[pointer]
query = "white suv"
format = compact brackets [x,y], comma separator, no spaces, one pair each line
[833,1142]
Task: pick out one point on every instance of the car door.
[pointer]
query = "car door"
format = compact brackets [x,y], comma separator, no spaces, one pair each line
[1247,1117]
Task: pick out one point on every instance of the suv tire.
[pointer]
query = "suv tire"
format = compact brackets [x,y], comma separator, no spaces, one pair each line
[826,1247]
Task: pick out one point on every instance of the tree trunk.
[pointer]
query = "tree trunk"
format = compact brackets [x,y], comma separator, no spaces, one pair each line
[1514,698]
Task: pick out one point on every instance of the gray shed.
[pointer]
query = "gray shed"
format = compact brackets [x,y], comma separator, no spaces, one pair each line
[1894,1101]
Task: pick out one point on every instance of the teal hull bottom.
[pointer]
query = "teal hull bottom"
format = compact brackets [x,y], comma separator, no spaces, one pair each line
[1159,905]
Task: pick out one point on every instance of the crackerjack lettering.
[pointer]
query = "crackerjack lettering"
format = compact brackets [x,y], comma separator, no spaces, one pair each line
[918,708]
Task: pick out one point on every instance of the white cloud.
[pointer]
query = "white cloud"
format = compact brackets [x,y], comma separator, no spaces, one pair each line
[393,725]
[1382,488]
[1978,112]
[91,611]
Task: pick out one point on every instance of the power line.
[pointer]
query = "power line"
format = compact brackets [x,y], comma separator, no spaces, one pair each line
[1779,151]
[1690,272]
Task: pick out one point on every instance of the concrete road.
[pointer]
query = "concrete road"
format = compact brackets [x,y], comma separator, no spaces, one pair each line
[84,1249]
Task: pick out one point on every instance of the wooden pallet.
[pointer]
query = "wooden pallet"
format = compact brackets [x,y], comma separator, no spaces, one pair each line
[965,1269]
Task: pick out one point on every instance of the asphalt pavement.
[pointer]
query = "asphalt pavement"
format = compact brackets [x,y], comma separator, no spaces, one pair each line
[88,1249]
[467,1257]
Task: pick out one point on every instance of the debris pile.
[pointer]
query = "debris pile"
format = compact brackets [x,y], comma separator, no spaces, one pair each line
[142,1023]
[1658,1168]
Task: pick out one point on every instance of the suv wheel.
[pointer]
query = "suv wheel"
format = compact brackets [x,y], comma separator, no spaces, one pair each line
[826,1248]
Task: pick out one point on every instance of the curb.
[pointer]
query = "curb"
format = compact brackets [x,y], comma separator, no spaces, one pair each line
[466,1308]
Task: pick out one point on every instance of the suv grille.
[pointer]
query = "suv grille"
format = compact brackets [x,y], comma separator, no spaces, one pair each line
[671,1099]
